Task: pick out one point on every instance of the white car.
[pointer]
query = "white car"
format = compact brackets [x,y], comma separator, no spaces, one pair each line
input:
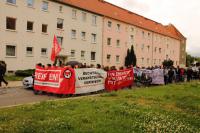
[28,82]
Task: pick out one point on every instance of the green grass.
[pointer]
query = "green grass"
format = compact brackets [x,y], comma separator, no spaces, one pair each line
[13,78]
[172,109]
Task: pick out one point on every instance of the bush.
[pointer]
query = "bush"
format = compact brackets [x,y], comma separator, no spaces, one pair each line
[24,73]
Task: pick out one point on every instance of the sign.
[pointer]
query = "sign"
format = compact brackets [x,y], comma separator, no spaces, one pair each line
[119,79]
[89,80]
[55,80]
[157,77]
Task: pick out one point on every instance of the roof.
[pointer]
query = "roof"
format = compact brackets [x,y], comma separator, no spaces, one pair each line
[112,11]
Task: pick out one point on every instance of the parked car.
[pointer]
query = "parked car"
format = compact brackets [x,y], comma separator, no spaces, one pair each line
[28,82]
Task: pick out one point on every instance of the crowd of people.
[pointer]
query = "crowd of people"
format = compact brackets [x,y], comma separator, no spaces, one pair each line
[171,74]
[2,73]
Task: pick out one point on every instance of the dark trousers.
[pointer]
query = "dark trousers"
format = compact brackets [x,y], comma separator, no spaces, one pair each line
[2,80]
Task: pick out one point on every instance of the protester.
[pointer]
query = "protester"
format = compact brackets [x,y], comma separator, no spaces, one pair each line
[189,74]
[2,73]
[166,75]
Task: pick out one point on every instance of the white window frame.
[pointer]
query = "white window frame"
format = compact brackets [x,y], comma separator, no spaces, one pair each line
[94,38]
[32,52]
[30,3]
[15,50]
[94,20]
[45,6]
[73,34]
[13,2]
[44,52]
[74,14]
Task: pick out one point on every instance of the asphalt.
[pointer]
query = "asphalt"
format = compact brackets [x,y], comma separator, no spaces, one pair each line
[14,96]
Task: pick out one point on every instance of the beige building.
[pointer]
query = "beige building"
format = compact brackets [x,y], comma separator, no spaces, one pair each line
[89,31]
[27,28]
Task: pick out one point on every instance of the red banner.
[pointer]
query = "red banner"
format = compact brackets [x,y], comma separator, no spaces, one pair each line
[55,80]
[119,79]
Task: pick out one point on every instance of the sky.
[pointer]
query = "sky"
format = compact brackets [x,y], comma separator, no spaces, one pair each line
[184,14]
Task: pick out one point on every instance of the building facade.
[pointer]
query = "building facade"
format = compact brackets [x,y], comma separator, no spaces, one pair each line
[27,30]
[89,31]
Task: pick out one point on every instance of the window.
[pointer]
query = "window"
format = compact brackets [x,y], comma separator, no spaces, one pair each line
[29,50]
[109,41]
[73,34]
[142,60]
[143,34]
[167,56]
[10,50]
[109,24]
[83,35]
[160,50]
[74,14]
[45,6]
[11,1]
[44,28]
[60,40]
[148,48]
[60,23]
[117,58]
[118,43]
[93,55]
[94,38]
[149,34]
[60,8]
[29,26]
[132,39]
[132,29]
[142,47]
[30,3]
[147,60]
[10,23]
[44,51]
[155,50]
[154,61]
[84,16]
[82,54]
[118,27]
[94,20]
[108,57]
[72,53]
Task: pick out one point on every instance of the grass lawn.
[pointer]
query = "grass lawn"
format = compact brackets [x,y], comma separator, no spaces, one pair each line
[172,108]
[13,78]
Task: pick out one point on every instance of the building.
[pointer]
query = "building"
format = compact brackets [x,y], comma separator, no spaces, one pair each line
[90,31]
[28,27]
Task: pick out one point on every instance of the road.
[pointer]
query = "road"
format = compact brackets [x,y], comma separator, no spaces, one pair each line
[19,95]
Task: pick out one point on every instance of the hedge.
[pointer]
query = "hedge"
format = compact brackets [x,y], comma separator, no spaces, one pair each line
[24,73]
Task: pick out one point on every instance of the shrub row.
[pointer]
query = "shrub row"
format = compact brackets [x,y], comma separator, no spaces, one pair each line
[24,73]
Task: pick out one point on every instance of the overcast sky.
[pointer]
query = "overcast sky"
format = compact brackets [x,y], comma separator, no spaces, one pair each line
[184,14]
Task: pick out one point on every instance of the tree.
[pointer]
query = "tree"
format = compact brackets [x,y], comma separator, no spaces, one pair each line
[168,63]
[133,57]
[130,57]
[127,59]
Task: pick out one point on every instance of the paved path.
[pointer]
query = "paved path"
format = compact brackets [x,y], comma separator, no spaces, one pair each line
[19,95]
[12,84]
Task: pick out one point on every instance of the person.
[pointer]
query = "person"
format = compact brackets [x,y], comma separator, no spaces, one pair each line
[170,74]
[189,74]
[98,66]
[166,76]
[2,73]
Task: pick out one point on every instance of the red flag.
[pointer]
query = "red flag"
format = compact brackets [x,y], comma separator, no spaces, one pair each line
[56,49]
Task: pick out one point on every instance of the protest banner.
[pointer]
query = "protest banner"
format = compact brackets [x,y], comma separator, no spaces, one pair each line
[55,80]
[157,76]
[89,80]
[119,79]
